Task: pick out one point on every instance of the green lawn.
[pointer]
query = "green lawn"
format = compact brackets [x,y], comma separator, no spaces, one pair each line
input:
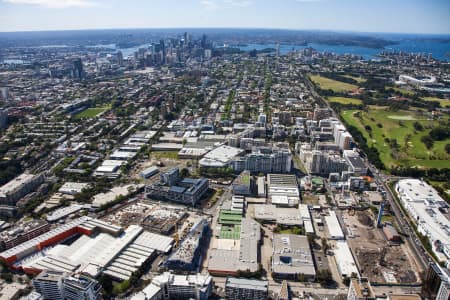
[91,112]
[165,154]
[344,100]
[398,125]
[327,83]
[358,79]
[443,102]
[403,91]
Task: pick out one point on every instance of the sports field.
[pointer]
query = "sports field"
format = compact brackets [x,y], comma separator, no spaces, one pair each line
[344,100]
[387,126]
[334,85]
[91,112]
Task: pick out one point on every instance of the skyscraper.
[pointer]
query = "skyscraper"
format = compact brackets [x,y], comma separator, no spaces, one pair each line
[78,68]
[163,50]
[120,58]
[203,43]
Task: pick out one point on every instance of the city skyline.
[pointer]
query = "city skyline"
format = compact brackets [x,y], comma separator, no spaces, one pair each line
[414,17]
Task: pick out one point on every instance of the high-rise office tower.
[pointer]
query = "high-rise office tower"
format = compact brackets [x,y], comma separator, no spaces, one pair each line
[163,50]
[78,68]
[120,58]
[203,43]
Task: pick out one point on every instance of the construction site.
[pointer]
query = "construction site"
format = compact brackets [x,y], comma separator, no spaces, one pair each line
[379,259]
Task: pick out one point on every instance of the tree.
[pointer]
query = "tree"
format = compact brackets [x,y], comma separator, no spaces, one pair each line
[428,141]
[324,276]
[417,126]
[440,133]
[184,172]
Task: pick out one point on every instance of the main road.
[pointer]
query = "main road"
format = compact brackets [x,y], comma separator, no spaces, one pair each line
[423,258]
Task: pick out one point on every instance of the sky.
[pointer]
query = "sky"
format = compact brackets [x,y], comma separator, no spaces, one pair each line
[397,16]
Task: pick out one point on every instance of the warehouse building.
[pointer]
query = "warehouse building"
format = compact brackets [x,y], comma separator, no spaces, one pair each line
[282,190]
[101,248]
[267,213]
[344,260]
[220,157]
[426,208]
[334,227]
[292,257]
[149,172]
[241,255]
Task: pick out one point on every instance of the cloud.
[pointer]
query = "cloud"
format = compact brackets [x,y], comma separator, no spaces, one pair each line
[55,3]
[240,3]
[209,4]
[216,4]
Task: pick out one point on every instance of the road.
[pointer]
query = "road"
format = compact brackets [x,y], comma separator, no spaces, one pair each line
[421,255]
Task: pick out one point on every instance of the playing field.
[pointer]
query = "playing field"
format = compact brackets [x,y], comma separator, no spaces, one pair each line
[399,125]
[91,112]
[334,85]
[443,102]
[344,100]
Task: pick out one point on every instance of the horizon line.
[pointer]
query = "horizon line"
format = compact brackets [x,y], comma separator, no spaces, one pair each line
[224,28]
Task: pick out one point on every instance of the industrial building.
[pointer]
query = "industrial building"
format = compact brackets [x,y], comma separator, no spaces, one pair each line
[72,188]
[173,188]
[170,286]
[112,194]
[220,157]
[63,212]
[248,289]
[426,208]
[282,190]
[334,227]
[101,248]
[344,259]
[292,257]
[149,172]
[267,213]
[241,255]
[18,187]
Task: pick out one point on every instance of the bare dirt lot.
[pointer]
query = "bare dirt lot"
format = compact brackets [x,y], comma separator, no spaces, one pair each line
[376,258]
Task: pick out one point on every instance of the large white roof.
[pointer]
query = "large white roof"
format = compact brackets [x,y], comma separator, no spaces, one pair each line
[220,156]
